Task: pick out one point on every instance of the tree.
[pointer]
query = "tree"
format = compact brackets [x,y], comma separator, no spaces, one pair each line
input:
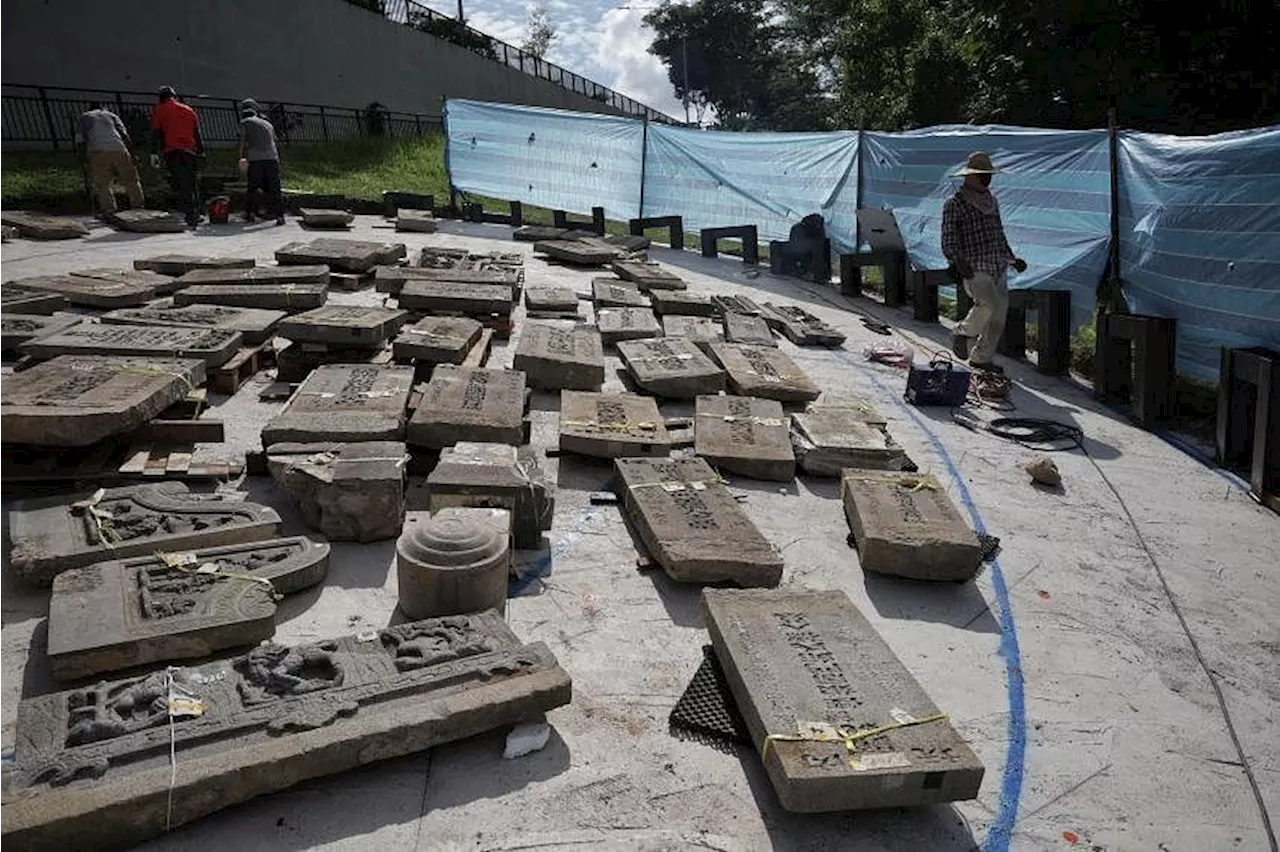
[539,32]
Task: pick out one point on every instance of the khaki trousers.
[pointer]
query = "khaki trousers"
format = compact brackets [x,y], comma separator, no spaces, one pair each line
[108,164]
[986,318]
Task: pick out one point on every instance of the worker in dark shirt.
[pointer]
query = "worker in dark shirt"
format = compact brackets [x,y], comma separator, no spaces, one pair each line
[107,146]
[175,130]
[258,148]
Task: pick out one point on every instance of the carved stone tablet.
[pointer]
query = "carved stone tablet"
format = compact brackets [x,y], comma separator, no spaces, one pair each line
[174,606]
[829,438]
[344,402]
[52,534]
[348,492]
[289,298]
[254,324]
[611,425]
[148,221]
[807,665]
[577,252]
[615,293]
[560,355]
[75,400]
[419,221]
[340,255]
[618,324]
[648,276]
[318,218]
[258,275]
[17,329]
[464,298]
[764,372]
[744,435]
[437,340]
[692,526]
[37,226]
[212,346]
[391,279]
[469,404]
[180,264]
[799,326]
[551,299]
[682,303]
[703,331]
[163,284]
[353,326]
[91,767]
[90,292]
[25,300]
[497,476]
[671,367]
[744,328]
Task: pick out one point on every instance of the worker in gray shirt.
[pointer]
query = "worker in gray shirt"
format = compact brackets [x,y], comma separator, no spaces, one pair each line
[258,148]
[107,145]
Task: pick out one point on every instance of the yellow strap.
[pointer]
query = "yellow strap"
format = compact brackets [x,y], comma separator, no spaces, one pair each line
[849,738]
[156,371]
[179,563]
[667,483]
[621,426]
[101,518]
[735,418]
[910,481]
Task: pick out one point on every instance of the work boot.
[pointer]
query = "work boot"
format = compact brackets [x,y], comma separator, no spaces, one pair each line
[960,346]
[280,219]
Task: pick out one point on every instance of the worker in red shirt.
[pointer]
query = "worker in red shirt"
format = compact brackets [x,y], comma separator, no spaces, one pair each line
[175,130]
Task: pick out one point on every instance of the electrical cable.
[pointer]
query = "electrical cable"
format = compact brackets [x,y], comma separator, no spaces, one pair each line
[1033,433]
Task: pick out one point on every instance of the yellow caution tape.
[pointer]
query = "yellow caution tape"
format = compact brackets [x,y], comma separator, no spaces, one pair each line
[850,739]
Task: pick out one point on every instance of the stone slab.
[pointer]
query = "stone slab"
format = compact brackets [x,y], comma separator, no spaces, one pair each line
[803,663]
[538,233]
[354,326]
[37,226]
[212,346]
[469,404]
[313,217]
[437,340]
[560,355]
[628,242]
[618,324]
[181,264]
[417,221]
[799,326]
[648,276]
[764,372]
[343,403]
[163,284]
[577,253]
[681,303]
[17,329]
[745,436]
[686,516]
[296,361]
[254,324]
[495,476]
[90,292]
[91,767]
[75,401]
[551,299]
[311,274]
[391,279]
[612,425]
[474,299]
[290,298]
[340,255]
[26,300]
[829,438]
[150,609]
[346,491]
[906,525]
[148,221]
[703,331]
[674,368]
[615,293]
[53,534]
[744,328]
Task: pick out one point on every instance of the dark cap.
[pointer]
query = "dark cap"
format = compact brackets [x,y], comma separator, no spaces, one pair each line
[166,92]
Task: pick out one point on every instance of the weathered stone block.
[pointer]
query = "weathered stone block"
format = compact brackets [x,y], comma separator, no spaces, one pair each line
[344,403]
[618,324]
[437,340]
[258,275]
[162,284]
[703,331]
[181,264]
[90,292]
[347,491]
[352,326]
[212,346]
[611,425]
[648,276]
[25,300]
[469,404]
[391,279]
[681,303]
[418,221]
[455,561]
[804,666]
[764,372]
[17,329]
[555,356]
[457,296]
[747,329]
[340,255]
[148,221]
[578,253]
[831,437]
[800,327]
[614,293]
[674,367]
[36,226]
[255,325]
[289,298]
[551,299]
[745,436]
[325,219]
[484,476]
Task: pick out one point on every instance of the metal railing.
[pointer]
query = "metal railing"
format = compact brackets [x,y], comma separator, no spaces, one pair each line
[419,17]
[47,116]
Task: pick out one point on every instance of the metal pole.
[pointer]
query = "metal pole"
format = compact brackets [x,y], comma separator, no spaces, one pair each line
[461,18]
[324,125]
[644,159]
[684,51]
[1114,295]
[48,118]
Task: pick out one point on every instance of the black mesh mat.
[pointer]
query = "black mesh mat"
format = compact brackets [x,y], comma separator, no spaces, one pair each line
[707,712]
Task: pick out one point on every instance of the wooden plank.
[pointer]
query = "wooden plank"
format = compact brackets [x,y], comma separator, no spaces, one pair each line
[178,462]
[157,464]
[185,431]
[480,351]
[137,459]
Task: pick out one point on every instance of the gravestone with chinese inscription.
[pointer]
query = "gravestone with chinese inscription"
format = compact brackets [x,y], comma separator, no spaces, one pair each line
[258,275]
[90,292]
[681,303]
[148,221]
[560,355]
[349,326]
[163,284]
[290,298]
[391,279]
[673,367]
[806,668]
[744,328]
[344,402]
[255,325]
[174,605]
[26,300]
[212,346]
[619,324]
[764,372]
[181,264]
[52,534]
[347,491]
[647,276]
[323,219]
[703,331]
[578,252]
[457,297]
[833,436]
[616,293]
[470,404]
[686,518]
[905,524]
[340,255]
[91,766]
[17,329]
[612,425]
[551,299]
[437,340]
[745,436]
[77,400]
[495,476]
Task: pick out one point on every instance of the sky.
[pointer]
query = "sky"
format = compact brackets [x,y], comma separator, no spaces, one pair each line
[596,39]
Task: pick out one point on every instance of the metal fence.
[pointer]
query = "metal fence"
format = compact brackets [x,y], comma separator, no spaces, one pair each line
[46,116]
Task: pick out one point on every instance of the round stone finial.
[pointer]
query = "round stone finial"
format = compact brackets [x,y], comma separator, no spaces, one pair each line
[457,561]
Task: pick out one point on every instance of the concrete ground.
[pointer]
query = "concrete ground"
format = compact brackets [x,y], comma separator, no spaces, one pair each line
[1065,664]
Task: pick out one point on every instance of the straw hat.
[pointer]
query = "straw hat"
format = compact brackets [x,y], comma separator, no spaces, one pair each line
[979,163]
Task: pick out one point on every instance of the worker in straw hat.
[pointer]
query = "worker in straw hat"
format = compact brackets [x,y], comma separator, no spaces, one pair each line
[973,241]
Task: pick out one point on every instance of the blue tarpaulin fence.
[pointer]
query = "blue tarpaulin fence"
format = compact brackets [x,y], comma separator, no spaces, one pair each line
[1199,222]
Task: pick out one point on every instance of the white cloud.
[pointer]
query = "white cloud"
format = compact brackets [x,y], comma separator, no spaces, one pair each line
[622,50]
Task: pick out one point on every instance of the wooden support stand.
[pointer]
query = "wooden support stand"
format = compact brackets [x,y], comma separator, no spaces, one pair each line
[819,261]
[673,224]
[560,219]
[1248,433]
[1141,346]
[746,233]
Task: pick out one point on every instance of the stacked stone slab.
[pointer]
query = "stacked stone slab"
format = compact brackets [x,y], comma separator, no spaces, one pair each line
[26,300]
[84,778]
[255,325]
[454,562]
[692,526]
[162,284]
[764,372]
[347,491]
[437,340]
[615,293]
[470,404]
[53,534]
[673,368]
[338,220]
[578,252]
[391,279]
[181,264]
[344,326]
[799,326]
[647,276]
[75,401]
[611,425]
[495,476]
[681,303]
[619,324]
[830,437]
[804,667]
[745,436]
[90,292]
[212,346]
[148,221]
[467,299]
[17,329]
[560,355]
[355,256]
[344,403]
[747,329]
[290,298]
[703,331]
[36,226]
[174,605]
[904,524]
[257,275]
[551,301]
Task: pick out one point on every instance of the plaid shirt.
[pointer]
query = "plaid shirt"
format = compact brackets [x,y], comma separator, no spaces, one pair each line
[977,237]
